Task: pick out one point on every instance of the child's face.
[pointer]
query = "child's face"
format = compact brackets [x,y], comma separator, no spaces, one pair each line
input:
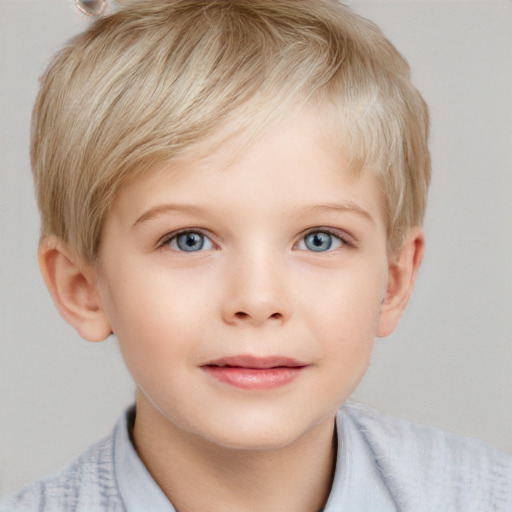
[281,277]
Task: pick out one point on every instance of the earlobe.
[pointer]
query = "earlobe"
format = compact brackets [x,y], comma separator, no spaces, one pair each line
[403,270]
[72,284]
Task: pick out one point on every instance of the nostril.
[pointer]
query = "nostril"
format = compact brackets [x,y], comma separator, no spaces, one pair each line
[243,316]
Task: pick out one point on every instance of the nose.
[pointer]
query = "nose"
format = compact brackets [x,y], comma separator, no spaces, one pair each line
[257,292]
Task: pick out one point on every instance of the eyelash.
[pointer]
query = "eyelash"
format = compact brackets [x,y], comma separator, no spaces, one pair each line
[344,239]
[166,239]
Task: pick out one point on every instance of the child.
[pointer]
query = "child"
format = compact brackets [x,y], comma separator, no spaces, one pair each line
[236,189]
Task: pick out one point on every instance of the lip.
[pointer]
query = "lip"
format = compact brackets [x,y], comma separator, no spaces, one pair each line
[254,373]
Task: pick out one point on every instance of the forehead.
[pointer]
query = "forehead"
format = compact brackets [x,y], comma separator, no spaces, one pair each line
[296,163]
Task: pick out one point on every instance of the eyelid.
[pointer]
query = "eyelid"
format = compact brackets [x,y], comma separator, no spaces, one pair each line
[345,237]
[162,241]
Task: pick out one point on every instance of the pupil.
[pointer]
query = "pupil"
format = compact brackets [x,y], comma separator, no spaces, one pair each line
[191,240]
[317,240]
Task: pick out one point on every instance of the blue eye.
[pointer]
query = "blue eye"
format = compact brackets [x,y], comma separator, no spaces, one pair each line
[189,241]
[320,241]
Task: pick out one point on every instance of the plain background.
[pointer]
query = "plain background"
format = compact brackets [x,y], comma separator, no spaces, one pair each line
[450,362]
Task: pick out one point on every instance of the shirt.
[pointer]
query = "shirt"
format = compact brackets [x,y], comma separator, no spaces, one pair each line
[382,464]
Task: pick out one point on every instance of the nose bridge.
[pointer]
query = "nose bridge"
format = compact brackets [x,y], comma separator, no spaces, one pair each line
[257,290]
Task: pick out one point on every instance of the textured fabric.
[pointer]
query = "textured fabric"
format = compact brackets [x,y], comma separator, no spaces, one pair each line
[87,485]
[427,469]
[357,484]
[383,464]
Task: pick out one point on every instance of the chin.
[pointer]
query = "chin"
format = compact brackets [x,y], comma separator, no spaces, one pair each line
[255,439]
[261,433]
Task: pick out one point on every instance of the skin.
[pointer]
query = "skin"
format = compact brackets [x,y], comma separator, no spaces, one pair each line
[255,288]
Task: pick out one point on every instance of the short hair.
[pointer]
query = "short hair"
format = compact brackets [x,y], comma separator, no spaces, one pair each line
[155,78]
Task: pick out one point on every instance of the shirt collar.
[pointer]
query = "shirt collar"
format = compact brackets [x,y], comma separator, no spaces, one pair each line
[138,489]
[357,484]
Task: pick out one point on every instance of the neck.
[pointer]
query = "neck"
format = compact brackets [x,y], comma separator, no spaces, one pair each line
[198,475]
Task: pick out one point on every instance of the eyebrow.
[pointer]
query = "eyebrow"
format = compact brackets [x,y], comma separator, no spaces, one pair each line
[169,208]
[343,207]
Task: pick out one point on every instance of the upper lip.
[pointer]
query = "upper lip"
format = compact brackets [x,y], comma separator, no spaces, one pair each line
[248,361]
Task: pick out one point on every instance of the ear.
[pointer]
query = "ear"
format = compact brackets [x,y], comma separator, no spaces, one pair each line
[402,273]
[71,282]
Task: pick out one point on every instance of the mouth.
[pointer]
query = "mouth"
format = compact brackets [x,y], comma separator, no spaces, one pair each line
[255,373]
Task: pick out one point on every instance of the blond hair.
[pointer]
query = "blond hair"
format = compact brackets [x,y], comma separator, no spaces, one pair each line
[146,83]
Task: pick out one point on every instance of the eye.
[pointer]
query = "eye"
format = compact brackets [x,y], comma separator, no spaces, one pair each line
[188,241]
[320,241]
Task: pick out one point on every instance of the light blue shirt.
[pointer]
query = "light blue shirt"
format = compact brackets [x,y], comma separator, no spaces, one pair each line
[383,464]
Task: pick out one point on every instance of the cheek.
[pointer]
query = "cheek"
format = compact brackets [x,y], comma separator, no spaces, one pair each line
[146,294]
[155,334]
[345,317]
[349,329]
[347,304]
[151,315]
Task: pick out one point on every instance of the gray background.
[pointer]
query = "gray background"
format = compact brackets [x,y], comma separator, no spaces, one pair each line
[449,364]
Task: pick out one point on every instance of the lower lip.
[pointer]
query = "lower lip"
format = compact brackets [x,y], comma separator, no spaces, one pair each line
[254,378]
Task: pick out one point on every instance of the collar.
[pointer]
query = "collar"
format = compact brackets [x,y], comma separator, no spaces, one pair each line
[357,484]
[138,490]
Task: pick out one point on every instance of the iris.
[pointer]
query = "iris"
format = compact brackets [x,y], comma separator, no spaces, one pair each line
[190,242]
[318,241]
